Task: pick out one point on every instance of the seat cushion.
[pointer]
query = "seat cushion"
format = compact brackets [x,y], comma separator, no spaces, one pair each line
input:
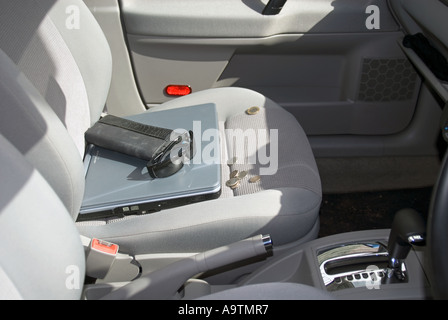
[291,165]
[285,201]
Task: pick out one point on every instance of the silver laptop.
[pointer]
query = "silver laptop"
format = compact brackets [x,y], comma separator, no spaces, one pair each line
[118,184]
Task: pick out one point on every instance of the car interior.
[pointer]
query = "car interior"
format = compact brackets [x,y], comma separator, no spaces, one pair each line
[223,150]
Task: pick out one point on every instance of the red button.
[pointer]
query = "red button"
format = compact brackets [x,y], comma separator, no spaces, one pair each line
[177,90]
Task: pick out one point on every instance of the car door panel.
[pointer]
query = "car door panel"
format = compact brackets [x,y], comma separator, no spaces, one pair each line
[243,18]
[310,58]
[333,84]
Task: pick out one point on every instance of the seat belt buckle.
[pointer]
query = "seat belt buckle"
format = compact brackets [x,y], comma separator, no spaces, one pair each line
[100,258]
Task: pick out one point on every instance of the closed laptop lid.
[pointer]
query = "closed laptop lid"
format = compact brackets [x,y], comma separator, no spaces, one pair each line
[114,179]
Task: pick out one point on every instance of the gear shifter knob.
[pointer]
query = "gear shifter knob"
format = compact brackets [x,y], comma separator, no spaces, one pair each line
[408,228]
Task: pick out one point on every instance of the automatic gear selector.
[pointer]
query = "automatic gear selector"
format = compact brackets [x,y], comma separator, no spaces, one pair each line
[372,263]
[408,228]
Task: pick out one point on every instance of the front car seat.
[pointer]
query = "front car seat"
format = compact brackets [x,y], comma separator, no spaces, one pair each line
[42,257]
[69,73]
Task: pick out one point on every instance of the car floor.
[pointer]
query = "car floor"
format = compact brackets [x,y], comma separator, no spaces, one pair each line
[368,210]
[365,193]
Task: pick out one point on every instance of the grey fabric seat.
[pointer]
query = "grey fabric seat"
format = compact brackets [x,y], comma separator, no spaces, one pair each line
[69,72]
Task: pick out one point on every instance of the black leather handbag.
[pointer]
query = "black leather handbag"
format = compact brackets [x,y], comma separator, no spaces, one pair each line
[164,149]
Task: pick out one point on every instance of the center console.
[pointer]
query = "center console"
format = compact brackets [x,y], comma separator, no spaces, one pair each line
[352,265]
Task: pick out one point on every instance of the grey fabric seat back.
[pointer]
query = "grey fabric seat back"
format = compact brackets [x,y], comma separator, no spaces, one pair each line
[42,138]
[41,255]
[61,49]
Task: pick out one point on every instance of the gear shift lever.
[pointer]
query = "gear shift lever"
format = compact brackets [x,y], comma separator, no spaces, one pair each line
[408,228]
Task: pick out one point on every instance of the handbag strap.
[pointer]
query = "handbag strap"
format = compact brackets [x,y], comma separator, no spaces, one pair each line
[155,132]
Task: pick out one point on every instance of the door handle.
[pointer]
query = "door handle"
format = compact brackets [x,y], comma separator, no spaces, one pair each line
[273,7]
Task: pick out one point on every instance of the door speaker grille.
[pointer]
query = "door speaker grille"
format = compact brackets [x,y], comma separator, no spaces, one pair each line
[385,80]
